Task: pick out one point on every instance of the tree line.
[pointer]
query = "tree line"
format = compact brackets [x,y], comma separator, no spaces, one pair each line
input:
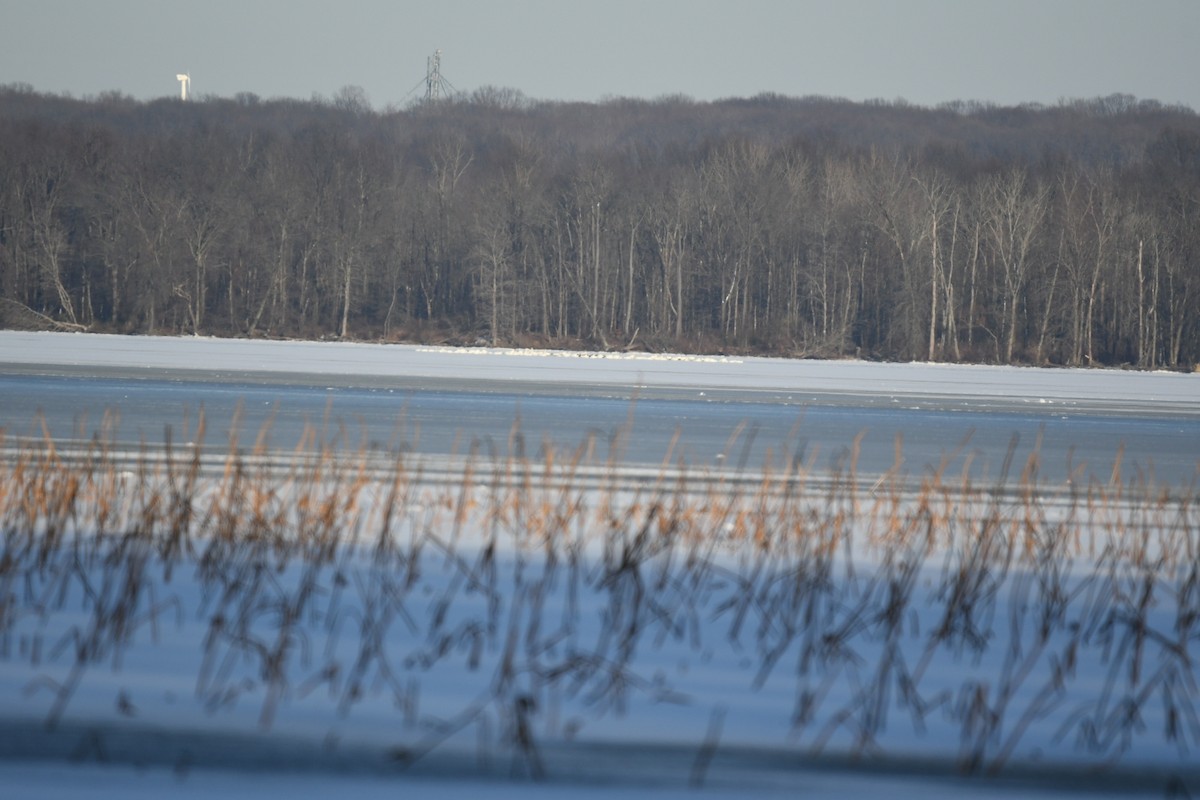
[1066,234]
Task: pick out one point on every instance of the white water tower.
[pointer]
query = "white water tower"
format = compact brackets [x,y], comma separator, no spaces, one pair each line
[185,84]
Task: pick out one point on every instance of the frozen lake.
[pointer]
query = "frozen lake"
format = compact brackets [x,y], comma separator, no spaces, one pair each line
[638,645]
[726,412]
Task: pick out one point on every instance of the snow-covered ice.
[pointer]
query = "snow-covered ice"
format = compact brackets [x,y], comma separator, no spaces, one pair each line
[634,651]
[1150,391]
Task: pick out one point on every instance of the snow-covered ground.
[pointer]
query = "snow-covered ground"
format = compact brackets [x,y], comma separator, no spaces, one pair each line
[826,640]
[510,632]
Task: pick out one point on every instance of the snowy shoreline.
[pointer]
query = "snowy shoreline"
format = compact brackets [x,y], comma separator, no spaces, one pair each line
[187,358]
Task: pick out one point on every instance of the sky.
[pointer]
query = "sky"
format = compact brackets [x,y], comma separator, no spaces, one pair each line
[924,51]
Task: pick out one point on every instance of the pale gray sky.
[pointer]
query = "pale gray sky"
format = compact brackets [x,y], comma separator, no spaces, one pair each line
[926,51]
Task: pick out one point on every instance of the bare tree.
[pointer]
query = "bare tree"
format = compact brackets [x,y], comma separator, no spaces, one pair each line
[1015,206]
[941,207]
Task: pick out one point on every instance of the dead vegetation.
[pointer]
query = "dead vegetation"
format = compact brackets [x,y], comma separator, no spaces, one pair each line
[548,591]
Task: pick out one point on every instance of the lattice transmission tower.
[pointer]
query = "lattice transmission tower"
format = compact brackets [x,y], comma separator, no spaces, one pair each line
[435,85]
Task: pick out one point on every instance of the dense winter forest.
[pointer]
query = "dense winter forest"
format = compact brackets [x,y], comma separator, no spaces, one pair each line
[806,227]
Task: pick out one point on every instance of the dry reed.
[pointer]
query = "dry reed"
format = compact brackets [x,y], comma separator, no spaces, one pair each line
[313,574]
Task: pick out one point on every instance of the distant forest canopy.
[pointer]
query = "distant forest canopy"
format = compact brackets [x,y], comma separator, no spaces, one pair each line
[1065,234]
